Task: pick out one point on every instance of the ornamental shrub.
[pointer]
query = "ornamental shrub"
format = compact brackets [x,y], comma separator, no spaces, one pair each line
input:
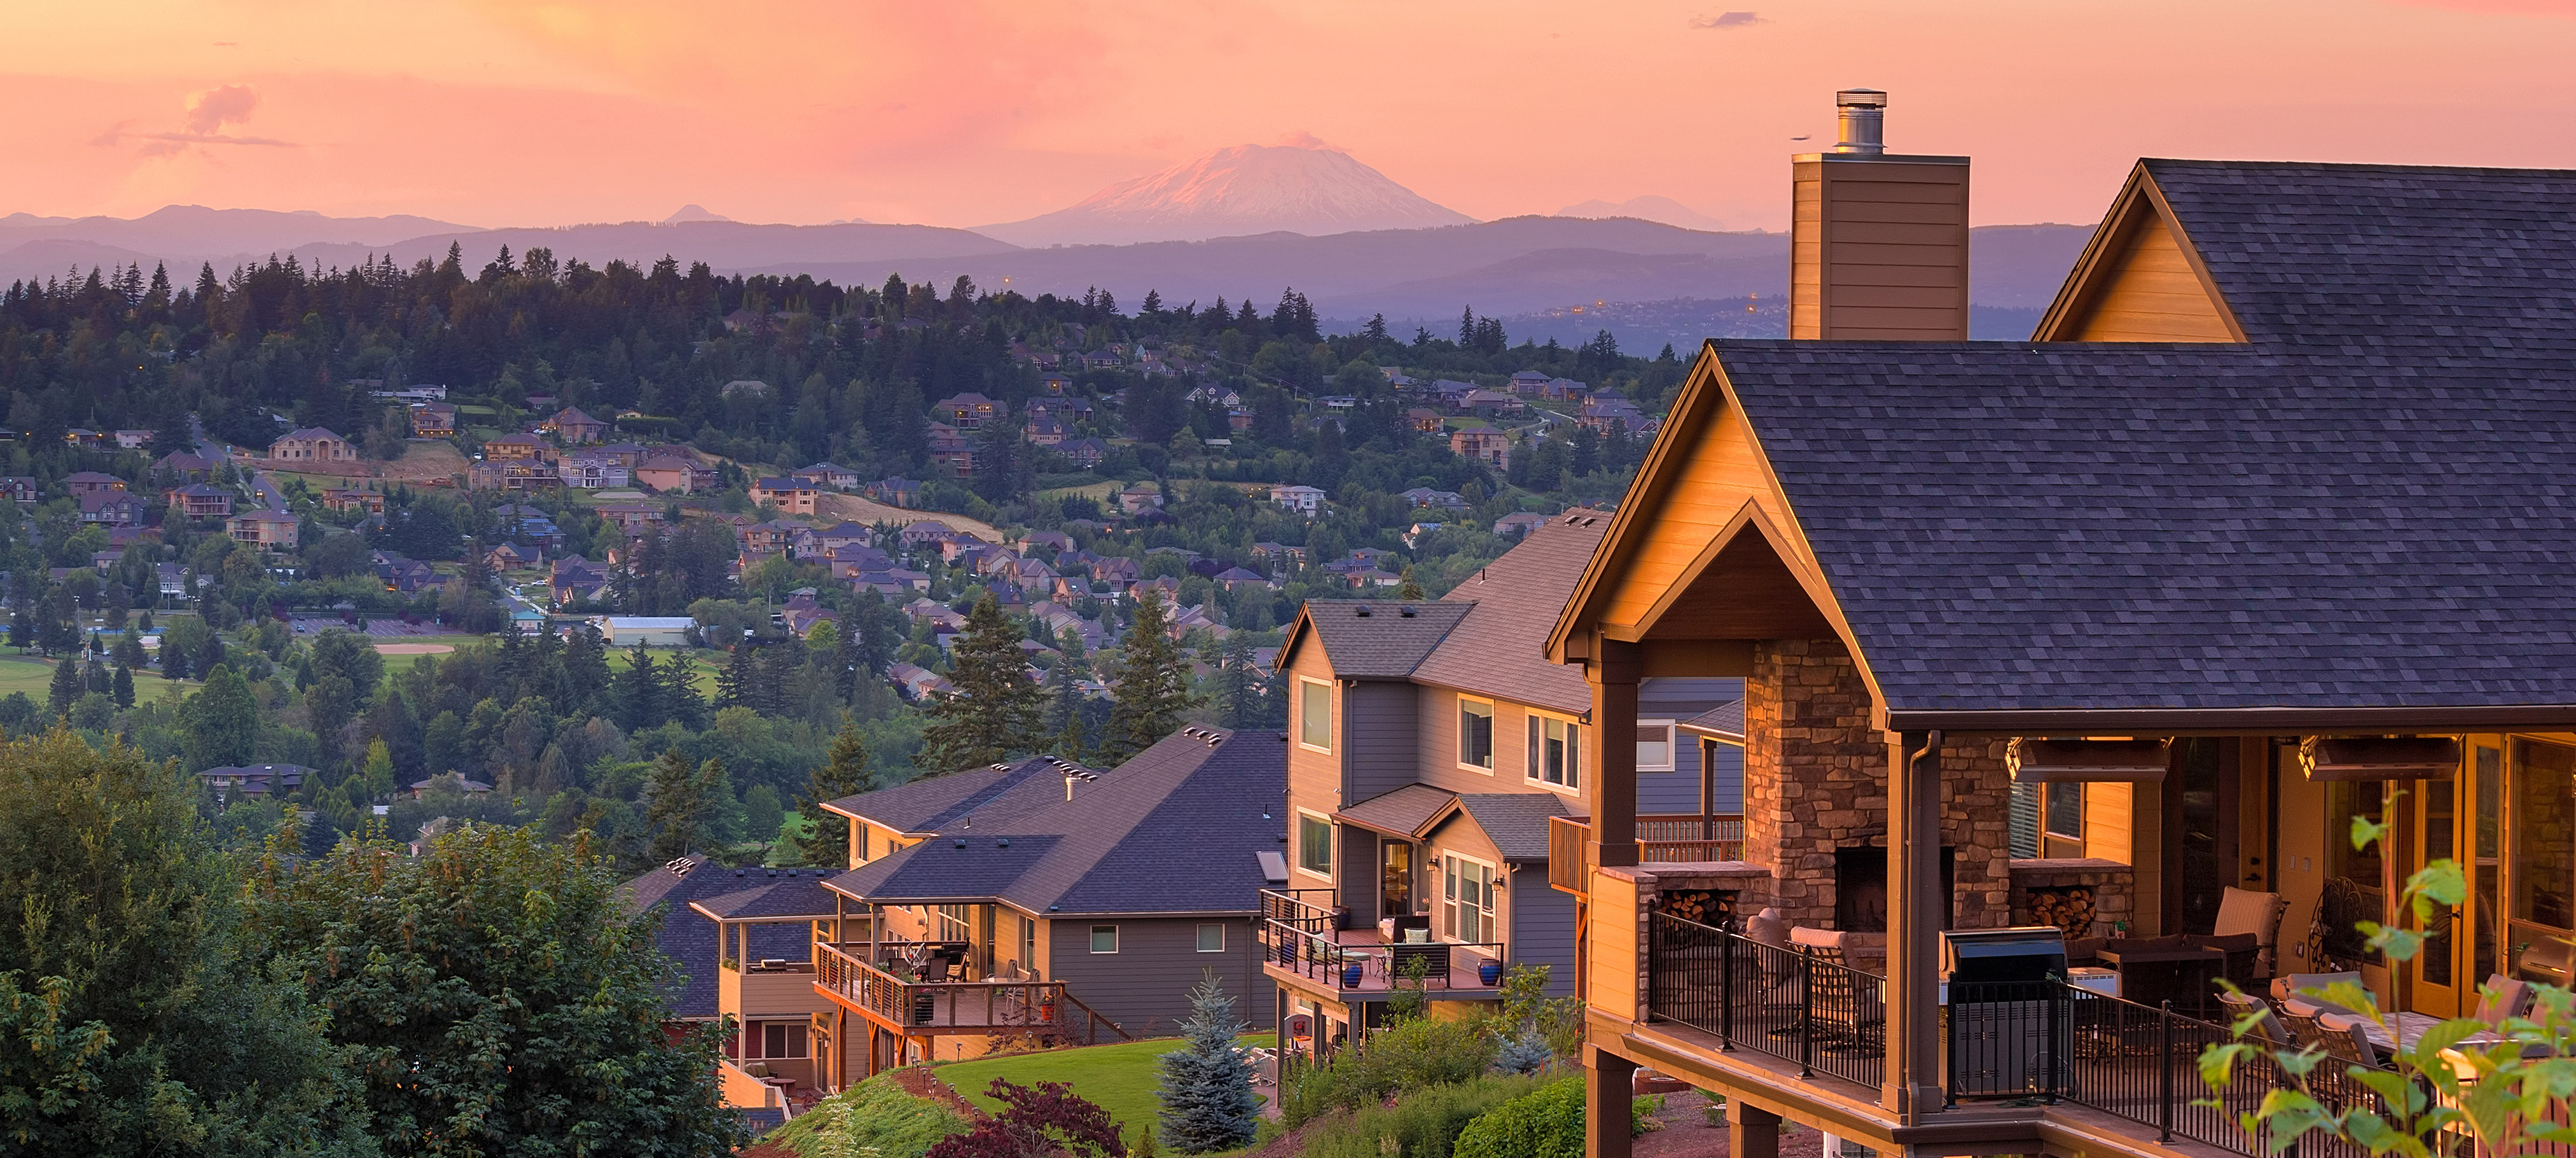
[1546,1123]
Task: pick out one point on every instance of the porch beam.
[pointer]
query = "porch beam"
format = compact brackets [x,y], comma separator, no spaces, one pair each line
[1914,907]
[1752,1132]
[1609,1087]
[1610,783]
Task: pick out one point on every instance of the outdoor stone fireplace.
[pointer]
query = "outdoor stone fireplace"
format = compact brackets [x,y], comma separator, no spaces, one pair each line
[1815,796]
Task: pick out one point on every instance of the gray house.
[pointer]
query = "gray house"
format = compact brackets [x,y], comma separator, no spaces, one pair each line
[1045,900]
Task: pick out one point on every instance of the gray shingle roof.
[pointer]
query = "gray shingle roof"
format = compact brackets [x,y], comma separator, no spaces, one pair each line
[1515,821]
[1173,830]
[2395,258]
[1725,721]
[1383,643]
[792,895]
[925,805]
[1408,810]
[2103,527]
[1500,647]
[690,939]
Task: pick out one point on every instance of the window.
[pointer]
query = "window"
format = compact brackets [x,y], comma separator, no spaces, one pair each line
[953,925]
[1211,938]
[779,1039]
[1104,938]
[1555,752]
[1476,734]
[1314,844]
[1315,714]
[1466,899]
[2061,819]
[1029,943]
[1655,746]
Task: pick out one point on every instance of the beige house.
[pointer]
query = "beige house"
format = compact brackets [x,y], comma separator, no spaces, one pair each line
[312,444]
[269,530]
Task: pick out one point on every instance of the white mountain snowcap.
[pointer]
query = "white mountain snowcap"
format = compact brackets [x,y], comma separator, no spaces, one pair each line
[1304,187]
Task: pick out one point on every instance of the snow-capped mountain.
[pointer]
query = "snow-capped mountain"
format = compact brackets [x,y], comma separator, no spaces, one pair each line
[1234,192]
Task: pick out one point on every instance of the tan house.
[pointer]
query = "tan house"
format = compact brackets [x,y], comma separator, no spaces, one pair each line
[312,444]
[433,419]
[514,446]
[269,530]
[668,473]
[791,495]
[354,499]
[1484,444]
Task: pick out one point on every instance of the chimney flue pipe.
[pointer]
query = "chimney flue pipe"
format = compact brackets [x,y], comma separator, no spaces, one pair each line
[1863,115]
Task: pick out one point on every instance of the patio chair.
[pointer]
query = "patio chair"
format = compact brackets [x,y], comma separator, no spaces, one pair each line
[2267,1028]
[2287,987]
[1833,1004]
[1434,958]
[2241,911]
[2502,998]
[2301,1017]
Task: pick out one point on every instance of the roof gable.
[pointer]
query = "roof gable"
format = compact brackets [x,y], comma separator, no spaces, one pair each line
[2139,280]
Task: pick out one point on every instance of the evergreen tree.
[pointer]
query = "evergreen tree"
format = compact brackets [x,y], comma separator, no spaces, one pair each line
[846,665]
[66,686]
[635,694]
[675,694]
[221,722]
[174,662]
[733,683]
[1207,1098]
[94,676]
[679,802]
[992,710]
[1238,697]
[124,687]
[1152,685]
[1409,588]
[827,836]
[771,669]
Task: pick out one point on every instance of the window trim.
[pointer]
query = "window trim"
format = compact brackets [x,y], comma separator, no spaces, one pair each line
[1490,913]
[1306,686]
[1332,844]
[1095,940]
[1534,735]
[1204,926]
[1493,714]
[1672,745]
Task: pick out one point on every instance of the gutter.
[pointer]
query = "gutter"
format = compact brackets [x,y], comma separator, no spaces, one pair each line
[2235,721]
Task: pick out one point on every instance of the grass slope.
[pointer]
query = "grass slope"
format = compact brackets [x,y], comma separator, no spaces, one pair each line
[704,663]
[1121,1078]
[36,678]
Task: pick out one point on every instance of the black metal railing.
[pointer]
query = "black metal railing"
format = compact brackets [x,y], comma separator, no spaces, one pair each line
[1796,1004]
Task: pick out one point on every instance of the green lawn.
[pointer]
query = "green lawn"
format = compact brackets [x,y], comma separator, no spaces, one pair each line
[36,678]
[1118,1078]
[705,662]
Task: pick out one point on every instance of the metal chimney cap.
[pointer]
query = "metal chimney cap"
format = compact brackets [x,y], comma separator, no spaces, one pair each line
[1860,98]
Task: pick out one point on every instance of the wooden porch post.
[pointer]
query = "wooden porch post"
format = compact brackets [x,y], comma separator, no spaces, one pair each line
[1609,1086]
[1610,783]
[1707,788]
[1914,908]
[1752,1132]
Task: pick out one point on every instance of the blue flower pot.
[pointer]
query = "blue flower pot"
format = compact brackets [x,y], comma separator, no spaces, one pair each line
[1489,972]
[1350,976]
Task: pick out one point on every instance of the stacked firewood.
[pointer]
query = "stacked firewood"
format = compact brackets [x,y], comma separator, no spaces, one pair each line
[1700,906]
[2069,908]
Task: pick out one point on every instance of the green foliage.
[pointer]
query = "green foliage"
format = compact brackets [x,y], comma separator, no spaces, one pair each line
[826,841]
[135,1023]
[994,710]
[1152,683]
[874,1119]
[1544,1123]
[221,720]
[496,997]
[1428,1123]
[1415,1055]
[1207,1098]
[1527,1010]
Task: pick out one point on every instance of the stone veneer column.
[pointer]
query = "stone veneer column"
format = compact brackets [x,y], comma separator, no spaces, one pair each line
[1815,780]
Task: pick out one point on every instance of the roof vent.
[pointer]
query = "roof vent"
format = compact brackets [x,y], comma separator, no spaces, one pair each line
[1363,611]
[1863,113]
[961,842]
[1405,611]
[680,866]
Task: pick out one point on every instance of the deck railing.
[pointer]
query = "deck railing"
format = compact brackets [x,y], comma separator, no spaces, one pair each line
[1045,1008]
[1792,1004]
[1661,837]
[1302,934]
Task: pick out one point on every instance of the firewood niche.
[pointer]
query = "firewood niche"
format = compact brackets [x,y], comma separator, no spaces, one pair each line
[2069,907]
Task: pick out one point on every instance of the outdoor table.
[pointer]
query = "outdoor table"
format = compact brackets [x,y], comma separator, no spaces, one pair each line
[2150,975]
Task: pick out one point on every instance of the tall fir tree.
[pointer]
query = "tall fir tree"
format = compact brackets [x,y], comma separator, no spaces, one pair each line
[734,682]
[679,802]
[124,687]
[66,686]
[992,710]
[636,693]
[1153,689]
[844,774]
[1206,1095]
[1238,694]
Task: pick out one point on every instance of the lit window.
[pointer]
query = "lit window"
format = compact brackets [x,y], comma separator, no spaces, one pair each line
[1315,714]
[1211,938]
[1654,745]
[1476,734]
[780,1039]
[1466,899]
[1555,752]
[1314,844]
[1104,938]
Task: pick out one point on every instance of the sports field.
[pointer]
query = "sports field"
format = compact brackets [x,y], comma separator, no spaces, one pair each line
[36,678]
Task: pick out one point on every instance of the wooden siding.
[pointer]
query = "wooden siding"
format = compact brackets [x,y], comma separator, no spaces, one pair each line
[1878,249]
[1615,946]
[2148,292]
[1355,883]
[1145,985]
[1711,483]
[1314,778]
[1542,927]
[1378,720]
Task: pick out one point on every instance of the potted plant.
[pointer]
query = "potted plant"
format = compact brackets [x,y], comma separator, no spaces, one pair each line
[1490,971]
[1351,975]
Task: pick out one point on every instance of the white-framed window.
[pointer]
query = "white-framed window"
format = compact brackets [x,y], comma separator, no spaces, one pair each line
[1028,942]
[1315,714]
[1656,750]
[1555,753]
[1314,844]
[777,1039]
[1211,938]
[1104,938]
[955,923]
[1466,898]
[1476,733]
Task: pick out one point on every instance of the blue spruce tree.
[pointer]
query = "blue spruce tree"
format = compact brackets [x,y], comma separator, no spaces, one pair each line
[1208,1103]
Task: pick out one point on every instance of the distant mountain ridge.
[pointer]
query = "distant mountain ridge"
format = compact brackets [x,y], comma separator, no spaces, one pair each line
[1647,208]
[1240,190]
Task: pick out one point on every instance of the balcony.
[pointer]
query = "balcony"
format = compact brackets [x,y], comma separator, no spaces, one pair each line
[1301,938]
[767,989]
[914,1007]
[1661,838]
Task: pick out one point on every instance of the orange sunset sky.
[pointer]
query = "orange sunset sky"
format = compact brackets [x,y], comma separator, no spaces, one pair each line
[964,113]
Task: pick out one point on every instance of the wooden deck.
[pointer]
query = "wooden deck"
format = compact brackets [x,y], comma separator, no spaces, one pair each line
[928,1008]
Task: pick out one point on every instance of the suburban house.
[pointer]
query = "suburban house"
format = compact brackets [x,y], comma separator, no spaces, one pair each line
[1045,899]
[2258,536]
[352,499]
[791,495]
[253,780]
[673,473]
[576,579]
[178,466]
[514,446]
[824,474]
[1302,499]
[573,426]
[272,530]
[433,419]
[1432,749]
[590,471]
[111,508]
[1518,523]
[199,501]
[744,940]
[512,474]
[894,491]
[969,411]
[1484,444]
[312,444]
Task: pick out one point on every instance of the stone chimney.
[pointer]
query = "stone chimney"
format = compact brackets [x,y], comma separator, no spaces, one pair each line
[1878,241]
